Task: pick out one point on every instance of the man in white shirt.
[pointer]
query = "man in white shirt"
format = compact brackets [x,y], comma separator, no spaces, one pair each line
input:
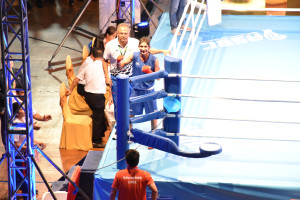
[95,88]
[119,49]
[81,83]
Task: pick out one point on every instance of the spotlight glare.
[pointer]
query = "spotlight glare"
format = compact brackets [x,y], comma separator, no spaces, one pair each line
[141,29]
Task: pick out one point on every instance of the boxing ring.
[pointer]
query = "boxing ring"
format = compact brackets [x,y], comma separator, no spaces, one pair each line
[241,91]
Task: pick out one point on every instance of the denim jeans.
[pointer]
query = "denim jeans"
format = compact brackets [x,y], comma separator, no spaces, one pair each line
[176,11]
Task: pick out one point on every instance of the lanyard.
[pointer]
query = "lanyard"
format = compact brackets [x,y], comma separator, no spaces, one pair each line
[121,51]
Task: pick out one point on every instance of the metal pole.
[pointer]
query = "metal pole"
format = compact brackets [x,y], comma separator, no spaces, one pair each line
[2,158]
[64,175]
[44,179]
[159,8]
[71,29]
[132,11]
[122,118]
[173,85]
[144,7]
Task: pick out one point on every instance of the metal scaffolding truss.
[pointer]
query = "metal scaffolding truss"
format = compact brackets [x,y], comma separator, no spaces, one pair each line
[15,51]
[126,10]
[20,158]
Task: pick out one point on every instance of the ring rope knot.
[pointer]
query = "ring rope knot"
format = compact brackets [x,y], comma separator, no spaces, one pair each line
[130,135]
[173,96]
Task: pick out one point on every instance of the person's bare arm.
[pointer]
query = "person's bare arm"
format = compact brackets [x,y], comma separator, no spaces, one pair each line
[156,66]
[125,62]
[74,83]
[157,51]
[105,69]
[41,145]
[38,117]
[154,190]
[110,98]
[113,194]
[17,144]
[36,126]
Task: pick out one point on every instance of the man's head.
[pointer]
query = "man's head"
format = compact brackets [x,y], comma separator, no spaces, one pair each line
[132,157]
[123,31]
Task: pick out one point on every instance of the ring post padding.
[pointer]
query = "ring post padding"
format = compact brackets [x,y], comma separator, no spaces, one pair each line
[122,118]
[173,85]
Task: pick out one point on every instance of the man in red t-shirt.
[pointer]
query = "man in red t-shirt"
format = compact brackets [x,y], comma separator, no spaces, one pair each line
[132,182]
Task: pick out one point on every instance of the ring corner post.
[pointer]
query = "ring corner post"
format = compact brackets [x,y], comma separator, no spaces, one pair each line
[122,118]
[173,85]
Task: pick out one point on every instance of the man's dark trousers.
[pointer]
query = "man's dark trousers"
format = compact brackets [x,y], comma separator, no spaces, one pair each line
[97,104]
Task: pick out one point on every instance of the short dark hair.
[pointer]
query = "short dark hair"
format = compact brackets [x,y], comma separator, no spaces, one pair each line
[98,43]
[15,107]
[97,53]
[110,30]
[132,157]
[144,39]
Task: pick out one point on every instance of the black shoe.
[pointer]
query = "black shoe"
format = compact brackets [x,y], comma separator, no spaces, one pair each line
[98,145]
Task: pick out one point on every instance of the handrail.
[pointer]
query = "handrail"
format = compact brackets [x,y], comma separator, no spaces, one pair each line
[175,46]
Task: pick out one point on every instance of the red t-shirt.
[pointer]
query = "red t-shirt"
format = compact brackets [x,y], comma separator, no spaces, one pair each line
[131,183]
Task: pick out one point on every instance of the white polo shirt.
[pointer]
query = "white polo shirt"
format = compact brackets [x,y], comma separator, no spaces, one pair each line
[94,77]
[87,61]
[113,49]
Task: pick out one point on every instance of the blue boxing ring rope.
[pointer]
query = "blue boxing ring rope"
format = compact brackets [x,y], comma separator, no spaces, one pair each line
[159,139]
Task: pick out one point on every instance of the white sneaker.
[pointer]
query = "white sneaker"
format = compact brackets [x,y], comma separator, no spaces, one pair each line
[173,31]
[187,29]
